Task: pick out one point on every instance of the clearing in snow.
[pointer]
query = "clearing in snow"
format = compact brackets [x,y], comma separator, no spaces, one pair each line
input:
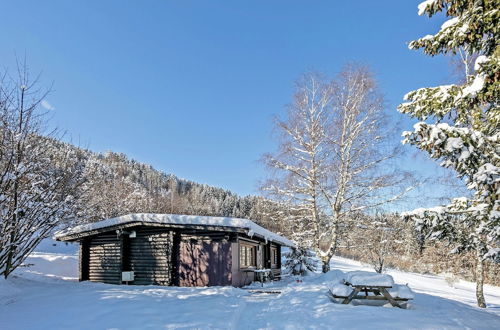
[47,295]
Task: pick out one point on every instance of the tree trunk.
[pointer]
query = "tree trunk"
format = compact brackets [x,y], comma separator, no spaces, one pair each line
[10,255]
[479,282]
[325,261]
[379,267]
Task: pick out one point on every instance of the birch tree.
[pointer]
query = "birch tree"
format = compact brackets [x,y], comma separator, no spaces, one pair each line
[332,161]
[459,125]
[300,164]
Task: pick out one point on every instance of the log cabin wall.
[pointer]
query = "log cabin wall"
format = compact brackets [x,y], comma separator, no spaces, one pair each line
[104,259]
[150,256]
[278,249]
[263,260]
[173,256]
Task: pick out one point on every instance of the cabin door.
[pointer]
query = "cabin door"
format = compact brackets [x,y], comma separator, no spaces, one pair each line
[204,263]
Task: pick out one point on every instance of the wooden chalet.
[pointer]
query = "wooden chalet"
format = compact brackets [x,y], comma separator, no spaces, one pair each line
[179,250]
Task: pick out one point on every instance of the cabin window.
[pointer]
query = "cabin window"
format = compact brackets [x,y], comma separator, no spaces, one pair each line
[247,256]
[274,256]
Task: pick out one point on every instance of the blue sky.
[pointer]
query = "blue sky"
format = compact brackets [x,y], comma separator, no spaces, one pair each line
[191,86]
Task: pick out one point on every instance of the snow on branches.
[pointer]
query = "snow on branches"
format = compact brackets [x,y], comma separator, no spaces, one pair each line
[473,25]
[469,152]
[465,134]
[470,104]
[38,174]
[334,158]
[466,224]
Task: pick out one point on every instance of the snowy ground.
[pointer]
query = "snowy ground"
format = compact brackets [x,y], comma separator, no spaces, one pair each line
[47,296]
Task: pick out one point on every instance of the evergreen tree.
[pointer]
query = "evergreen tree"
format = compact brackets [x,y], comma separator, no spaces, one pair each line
[300,260]
[459,125]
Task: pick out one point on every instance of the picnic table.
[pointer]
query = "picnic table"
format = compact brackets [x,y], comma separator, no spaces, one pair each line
[379,292]
[262,275]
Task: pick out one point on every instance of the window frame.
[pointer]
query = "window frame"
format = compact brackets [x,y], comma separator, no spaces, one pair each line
[244,261]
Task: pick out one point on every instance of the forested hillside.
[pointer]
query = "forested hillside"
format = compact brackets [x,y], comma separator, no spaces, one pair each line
[111,184]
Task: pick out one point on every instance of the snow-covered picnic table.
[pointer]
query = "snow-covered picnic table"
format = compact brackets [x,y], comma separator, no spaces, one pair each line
[262,275]
[374,286]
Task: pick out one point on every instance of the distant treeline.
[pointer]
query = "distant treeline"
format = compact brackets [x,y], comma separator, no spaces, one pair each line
[114,185]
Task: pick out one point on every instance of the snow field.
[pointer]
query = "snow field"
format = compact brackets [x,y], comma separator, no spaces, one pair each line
[48,296]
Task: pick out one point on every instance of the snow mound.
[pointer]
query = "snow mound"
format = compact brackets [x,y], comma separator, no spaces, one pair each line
[176,219]
[53,265]
[369,278]
[339,289]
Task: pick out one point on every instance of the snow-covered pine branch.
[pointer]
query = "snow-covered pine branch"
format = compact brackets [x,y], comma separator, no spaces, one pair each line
[464,132]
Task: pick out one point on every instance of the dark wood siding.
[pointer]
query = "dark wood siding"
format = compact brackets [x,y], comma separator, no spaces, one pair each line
[83,265]
[105,259]
[204,262]
[150,256]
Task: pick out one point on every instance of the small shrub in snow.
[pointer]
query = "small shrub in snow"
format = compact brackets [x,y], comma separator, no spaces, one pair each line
[451,279]
[299,261]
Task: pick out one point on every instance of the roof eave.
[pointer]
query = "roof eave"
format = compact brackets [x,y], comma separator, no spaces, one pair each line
[274,241]
[82,235]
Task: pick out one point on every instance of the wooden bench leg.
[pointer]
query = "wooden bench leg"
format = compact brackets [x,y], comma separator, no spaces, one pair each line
[388,296]
[351,296]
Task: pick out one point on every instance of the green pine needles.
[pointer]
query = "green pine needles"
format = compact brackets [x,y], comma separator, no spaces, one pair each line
[459,126]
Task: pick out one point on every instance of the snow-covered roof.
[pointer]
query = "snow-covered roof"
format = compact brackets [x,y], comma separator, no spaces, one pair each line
[249,226]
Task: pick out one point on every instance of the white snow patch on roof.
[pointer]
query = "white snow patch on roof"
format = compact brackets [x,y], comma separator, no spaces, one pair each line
[176,219]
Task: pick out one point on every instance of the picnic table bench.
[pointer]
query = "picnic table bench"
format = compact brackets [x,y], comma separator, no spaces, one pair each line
[380,292]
